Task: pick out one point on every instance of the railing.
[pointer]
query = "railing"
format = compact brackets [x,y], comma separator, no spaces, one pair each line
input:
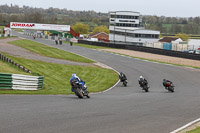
[20,82]
[6,59]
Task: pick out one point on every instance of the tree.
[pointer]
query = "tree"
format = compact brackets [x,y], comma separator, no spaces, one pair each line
[184,37]
[101,29]
[37,17]
[96,21]
[81,28]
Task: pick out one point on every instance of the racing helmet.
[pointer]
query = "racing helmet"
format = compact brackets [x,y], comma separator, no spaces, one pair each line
[74,75]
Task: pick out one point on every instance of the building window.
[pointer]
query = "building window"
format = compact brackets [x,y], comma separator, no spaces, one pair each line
[156,36]
[112,16]
[125,17]
[134,35]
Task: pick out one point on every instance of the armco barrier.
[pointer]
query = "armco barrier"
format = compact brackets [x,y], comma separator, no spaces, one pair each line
[6,59]
[144,49]
[20,82]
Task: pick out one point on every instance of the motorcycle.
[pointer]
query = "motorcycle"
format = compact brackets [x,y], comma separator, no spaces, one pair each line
[169,87]
[144,86]
[123,79]
[77,87]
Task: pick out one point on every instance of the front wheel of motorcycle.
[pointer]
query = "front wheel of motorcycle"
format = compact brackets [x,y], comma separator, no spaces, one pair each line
[146,89]
[172,89]
[88,96]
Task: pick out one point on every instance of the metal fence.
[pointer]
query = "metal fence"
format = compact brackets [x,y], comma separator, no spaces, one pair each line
[6,59]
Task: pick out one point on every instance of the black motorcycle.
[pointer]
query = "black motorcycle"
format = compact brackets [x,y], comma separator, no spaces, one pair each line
[123,79]
[144,86]
[78,89]
[169,87]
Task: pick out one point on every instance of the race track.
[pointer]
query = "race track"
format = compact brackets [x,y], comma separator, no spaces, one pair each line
[120,110]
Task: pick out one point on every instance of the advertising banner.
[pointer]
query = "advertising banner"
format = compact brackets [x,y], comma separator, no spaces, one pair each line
[37,26]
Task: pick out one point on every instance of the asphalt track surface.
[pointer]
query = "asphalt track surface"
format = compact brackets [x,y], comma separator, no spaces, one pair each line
[120,110]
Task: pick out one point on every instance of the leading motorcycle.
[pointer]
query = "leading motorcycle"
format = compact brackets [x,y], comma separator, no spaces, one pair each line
[78,90]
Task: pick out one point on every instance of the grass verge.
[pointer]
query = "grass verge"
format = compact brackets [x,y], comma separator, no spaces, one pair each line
[57,77]
[88,46]
[9,68]
[197,130]
[1,27]
[19,30]
[8,37]
[49,51]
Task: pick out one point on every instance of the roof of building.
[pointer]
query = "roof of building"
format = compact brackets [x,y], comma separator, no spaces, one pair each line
[168,39]
[123,11]
[97,33]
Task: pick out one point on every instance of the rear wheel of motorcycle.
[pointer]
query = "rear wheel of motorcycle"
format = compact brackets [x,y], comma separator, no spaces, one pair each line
[87,94]
[78,92]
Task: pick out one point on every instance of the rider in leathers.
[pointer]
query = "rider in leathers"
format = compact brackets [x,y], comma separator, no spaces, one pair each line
[75,77]
[142,79]
[165,82]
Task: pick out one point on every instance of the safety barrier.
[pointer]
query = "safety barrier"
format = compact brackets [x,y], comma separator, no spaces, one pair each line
[20,82]
[6,59]
[144,49]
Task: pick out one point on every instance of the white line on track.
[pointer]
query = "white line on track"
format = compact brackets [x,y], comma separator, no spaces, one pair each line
[186,126]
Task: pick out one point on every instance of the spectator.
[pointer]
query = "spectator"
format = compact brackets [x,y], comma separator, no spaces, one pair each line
[71,43]
[56,41]
[60,41]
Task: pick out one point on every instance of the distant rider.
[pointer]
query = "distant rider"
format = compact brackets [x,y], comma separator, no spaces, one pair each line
[76,78]
[165,83]
[122,77]
[142,79]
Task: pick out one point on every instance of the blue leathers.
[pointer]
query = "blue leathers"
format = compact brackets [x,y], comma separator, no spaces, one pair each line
[75,77]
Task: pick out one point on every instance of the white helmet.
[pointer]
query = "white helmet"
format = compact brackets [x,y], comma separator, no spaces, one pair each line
[141,77]
[73,75]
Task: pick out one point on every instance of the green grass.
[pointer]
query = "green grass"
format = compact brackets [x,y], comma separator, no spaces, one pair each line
[1,27]
[194,37]
[8,68]
[8,37]
[19,30]
[57,77]
[49,51]
[197,130]
[167,25]
[88,46]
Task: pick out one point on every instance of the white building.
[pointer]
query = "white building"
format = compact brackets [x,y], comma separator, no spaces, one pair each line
[126,26]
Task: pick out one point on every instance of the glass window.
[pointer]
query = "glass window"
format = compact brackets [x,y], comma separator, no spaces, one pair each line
[112,16]
[156,36]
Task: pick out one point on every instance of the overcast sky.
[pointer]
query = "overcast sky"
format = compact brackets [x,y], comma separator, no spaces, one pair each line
[172,8]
